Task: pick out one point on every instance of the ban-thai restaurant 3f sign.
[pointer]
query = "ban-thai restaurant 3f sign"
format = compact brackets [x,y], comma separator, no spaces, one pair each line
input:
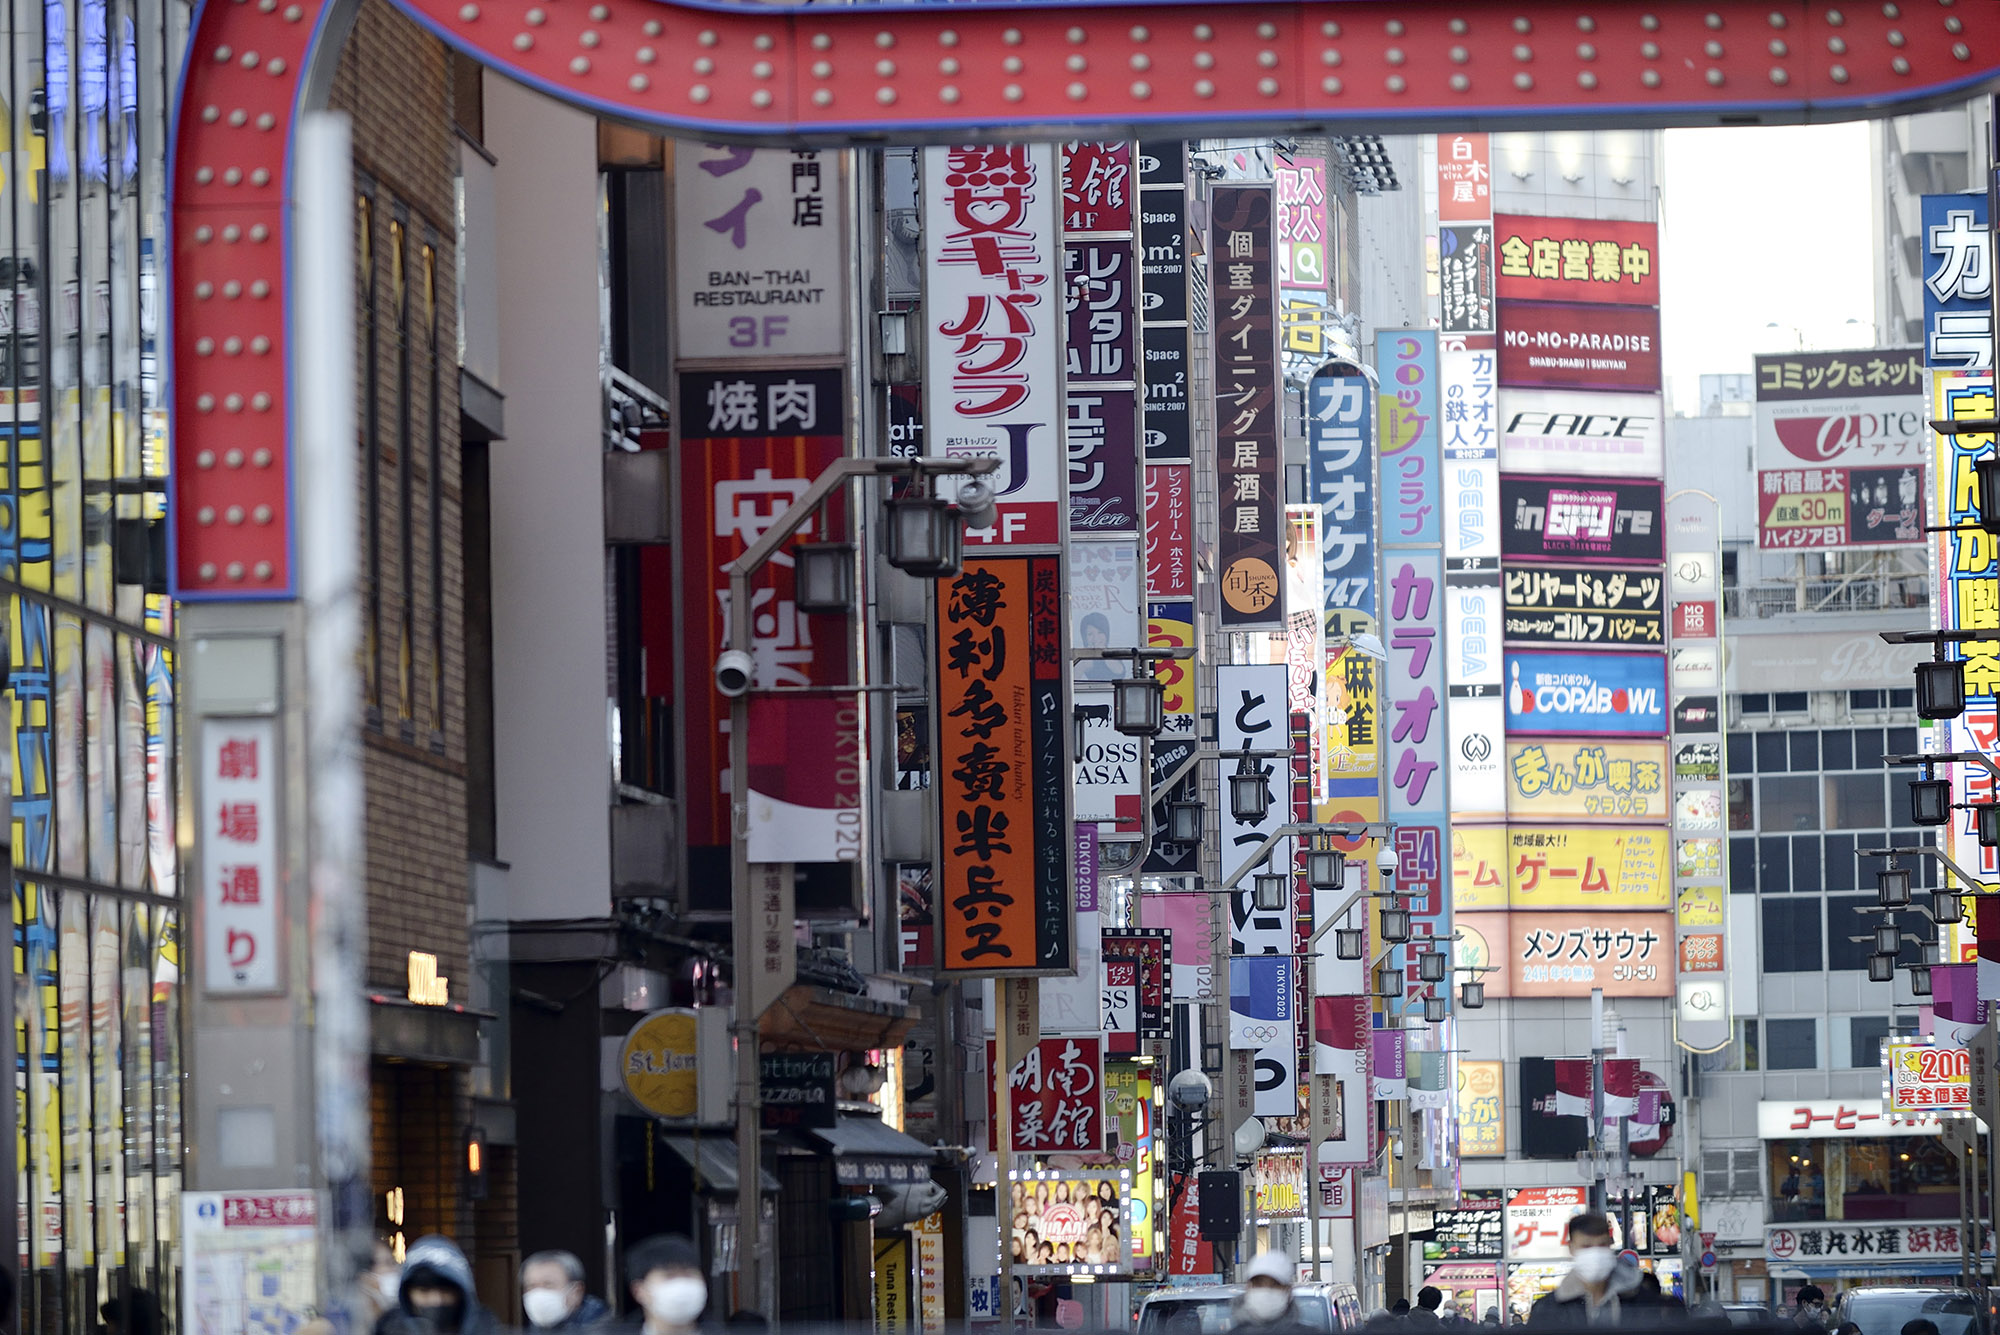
[1003,906]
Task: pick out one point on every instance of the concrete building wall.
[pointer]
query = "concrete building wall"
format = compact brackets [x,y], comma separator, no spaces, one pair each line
[549,676]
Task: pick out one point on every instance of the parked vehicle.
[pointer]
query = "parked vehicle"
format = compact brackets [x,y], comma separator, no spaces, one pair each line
[1882,1310]
[1748,1314]
[1335,1308]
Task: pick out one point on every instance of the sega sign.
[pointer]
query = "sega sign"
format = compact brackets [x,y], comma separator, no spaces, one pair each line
[1586,694]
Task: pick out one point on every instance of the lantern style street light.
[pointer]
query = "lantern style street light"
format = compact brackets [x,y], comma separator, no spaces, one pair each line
[1249,794]
[1139,703]
[1892,886]
[823,577]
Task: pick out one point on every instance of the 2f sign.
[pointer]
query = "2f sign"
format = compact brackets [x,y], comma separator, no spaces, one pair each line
[749,332]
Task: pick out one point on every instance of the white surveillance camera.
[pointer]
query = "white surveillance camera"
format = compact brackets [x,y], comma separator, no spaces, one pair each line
[732,673]
[1385,860]
[975,505]
[1190,1090]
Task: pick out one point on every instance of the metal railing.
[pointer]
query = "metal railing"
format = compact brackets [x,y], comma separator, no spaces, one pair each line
[1849,594]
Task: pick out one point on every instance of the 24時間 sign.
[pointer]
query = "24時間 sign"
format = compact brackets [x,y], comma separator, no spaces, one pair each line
[1003,895]
[994,314]
[1580,519]
[1583,605]
[1578,346]
[1250,500]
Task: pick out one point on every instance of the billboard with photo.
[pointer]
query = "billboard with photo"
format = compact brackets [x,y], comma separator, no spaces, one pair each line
[1069,1224]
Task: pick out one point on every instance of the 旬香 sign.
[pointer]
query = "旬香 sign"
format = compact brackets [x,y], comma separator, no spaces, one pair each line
[1003,904]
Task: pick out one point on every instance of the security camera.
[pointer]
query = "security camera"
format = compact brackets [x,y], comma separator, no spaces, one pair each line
[1385,860]
[732,673]
[1190,1091]
[975,505]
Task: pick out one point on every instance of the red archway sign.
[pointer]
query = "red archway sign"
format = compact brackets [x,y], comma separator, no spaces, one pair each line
[887,74]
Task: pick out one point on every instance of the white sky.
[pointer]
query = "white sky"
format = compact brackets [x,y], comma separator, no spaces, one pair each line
[1762,226]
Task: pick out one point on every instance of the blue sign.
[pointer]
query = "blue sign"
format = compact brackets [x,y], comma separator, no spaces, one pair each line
[1583,695]
[1340,424]
[1958,281]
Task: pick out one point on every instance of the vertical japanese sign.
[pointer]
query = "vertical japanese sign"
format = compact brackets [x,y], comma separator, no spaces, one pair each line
[1465,234]
[1169,531]
[1249,550]
[994,319]
[1958,281]
[1304,646]
[1251,703]
[1465,178]
[1056,1096]
[751,441]
[1097,188]
[1340,430]
[1304,253]
[1414,692]
[1471,449]
[1003,900]
[241,888]
[1700,781]
[759,256]
[1170,625]
[1967,597]
[1100,285]
[1163,302]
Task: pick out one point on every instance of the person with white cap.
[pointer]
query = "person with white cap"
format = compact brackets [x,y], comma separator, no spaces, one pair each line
[1265,1306]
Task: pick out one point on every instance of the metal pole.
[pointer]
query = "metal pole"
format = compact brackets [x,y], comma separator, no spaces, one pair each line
[1003,1137]
[323,327]
[1597,1202]
[743,927]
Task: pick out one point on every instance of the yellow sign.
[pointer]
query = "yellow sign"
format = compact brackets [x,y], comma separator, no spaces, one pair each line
[1166,630]
[892,1284]
[1482,1109]
[1587,779]
[1700,906]
[427,987]
[1478,867]
[1587,867]
[658,1063]
[1281,1186]
[1353,725]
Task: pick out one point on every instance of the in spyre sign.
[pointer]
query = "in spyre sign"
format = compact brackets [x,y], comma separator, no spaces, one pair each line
[1002,777]
[1249,545]
[1580,519]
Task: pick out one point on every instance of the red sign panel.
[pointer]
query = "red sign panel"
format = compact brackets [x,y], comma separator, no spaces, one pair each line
[1003,905]
[1056,1096]
[1694,620]
[1465,178]
[1581,346]
[1577,259]
[1170,530]
[1097,188]
[750,444]
[1187,1254]
[1250,485]
[1145,948]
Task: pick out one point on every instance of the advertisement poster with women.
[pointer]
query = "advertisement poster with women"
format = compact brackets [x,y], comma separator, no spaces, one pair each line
[1068,1225]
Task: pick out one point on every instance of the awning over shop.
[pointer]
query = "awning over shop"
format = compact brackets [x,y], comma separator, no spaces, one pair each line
[867,1153]
[713,1159]
[1875,1272]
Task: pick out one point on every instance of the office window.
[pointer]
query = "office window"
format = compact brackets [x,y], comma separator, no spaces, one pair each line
[1842,922]
[1742,866]
[1788,702]
[1903,699]
[1864,699]
[1854,802]
[1837,749]
[1742,804]
[1788,803]
[1865,1035]
[1839,871]
[1792,935]
[1901,741]
[1868,748]
[1805,751]
[1755,704]
[1774,866]
[1770,753]
[1805,863]
[1791,1045]
[1747,1043]
[1739,753]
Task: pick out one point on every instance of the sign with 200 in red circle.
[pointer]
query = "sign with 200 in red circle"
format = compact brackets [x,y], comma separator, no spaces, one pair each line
[1924,1077]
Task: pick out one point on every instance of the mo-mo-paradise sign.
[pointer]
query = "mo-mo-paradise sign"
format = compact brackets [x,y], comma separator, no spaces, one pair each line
[1579,694]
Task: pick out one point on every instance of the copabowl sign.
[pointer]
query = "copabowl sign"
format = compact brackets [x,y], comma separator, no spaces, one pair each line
[1567,694]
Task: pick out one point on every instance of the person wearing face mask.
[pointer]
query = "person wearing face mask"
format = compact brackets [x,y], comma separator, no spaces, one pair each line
[668,1284]
[552,1293]
[1265,1306]
[1811,1313]
[1594,1292]
[435,1295]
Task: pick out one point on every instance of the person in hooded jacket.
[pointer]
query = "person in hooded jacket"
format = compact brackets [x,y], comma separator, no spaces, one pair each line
[1596,1290]
[1265,1306]
[436,1295]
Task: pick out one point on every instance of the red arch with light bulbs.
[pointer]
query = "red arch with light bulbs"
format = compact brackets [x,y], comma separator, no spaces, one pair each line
[887,74]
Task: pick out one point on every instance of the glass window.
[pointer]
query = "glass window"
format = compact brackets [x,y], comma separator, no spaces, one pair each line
[1805,863]
[1865,1035]
[1843,923]
[1739,753]
[1901,741]
[1791,1045]
[1742,804]
[1774,866]
[1792,935]
[1840,869]
[1789,803]
[1805,751]
[1770,753]
[1854,802]
[1743,866]
[1868,748]
[1798,1171]
[1903,699]
[1836,749]
[1864,699]
[1756,704]
[1788,702]
[1746,1040]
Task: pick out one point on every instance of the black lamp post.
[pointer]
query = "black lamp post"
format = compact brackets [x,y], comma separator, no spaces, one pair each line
[1881,968]
[1249,794]
[1892,886]
[1930,801]
[1139,703]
